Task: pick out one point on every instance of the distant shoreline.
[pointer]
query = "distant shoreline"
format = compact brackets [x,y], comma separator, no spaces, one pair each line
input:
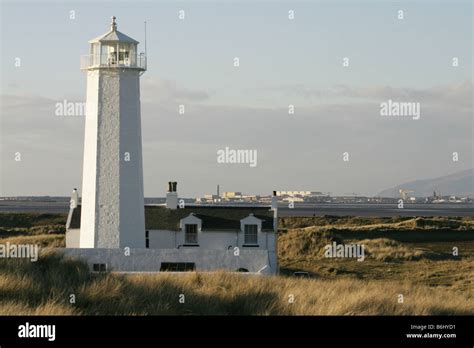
[300,209]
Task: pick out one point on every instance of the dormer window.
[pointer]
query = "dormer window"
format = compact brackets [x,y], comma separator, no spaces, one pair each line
[250,234]
[191,234]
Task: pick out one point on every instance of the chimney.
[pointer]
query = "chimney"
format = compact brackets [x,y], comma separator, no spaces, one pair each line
[74,199]
[275,213]
[172,195]
[274,201]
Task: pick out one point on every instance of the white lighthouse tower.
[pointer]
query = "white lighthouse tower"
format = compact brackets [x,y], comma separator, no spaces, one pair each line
[112,211]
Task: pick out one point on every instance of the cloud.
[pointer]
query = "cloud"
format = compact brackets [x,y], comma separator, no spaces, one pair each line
[11,102]
[459,94]
[300,151]
[50,147]
[158,90]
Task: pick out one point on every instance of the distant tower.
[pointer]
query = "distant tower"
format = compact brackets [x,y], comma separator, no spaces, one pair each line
[112,213]
[218,193]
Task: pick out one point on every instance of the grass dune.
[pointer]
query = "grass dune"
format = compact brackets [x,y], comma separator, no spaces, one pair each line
[405,256]
[45,288]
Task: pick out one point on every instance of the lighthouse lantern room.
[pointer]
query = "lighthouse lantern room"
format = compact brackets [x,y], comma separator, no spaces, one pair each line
[113,49]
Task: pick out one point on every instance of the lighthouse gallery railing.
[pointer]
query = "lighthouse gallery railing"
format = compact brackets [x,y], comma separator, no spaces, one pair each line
[89,61]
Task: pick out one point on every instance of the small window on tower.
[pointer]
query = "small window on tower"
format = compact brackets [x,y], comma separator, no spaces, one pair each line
[147,239]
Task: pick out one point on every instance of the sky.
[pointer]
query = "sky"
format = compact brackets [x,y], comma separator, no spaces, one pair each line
[282,62]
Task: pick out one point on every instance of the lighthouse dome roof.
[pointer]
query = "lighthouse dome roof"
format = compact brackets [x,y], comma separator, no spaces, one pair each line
[114,35]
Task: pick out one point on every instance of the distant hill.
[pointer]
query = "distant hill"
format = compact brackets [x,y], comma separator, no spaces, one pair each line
[460,184]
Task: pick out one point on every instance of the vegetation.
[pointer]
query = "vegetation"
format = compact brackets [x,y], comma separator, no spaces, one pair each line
[408,256]
[31,219]
[393,223]
[45,288]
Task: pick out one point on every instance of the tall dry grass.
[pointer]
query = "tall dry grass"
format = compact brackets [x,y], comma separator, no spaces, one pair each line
[45,287]
[371,223]
[383,249]
[309,244]
[42,240]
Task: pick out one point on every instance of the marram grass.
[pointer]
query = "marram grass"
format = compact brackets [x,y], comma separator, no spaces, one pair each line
[48,286]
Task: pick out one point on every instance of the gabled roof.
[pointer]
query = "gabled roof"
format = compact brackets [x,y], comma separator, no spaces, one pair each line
[218,218]
[213,217]
[114,35]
